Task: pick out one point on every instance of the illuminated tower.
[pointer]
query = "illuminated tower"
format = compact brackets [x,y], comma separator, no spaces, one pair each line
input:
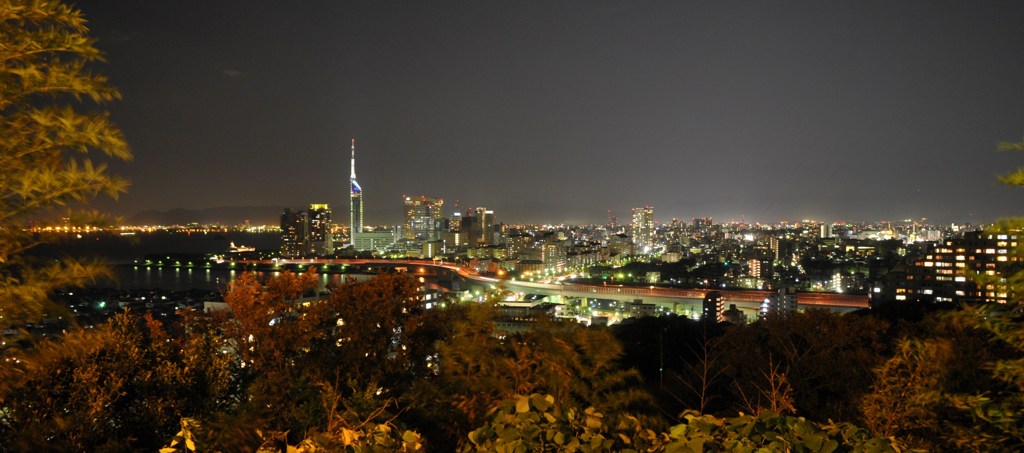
[356,199]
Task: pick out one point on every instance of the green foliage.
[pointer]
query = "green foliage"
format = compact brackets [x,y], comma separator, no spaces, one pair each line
[365,438]
[45,143]
[772,432]
[1016,177]
[538,423]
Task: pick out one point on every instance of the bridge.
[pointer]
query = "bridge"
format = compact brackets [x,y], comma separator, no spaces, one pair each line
[447,276]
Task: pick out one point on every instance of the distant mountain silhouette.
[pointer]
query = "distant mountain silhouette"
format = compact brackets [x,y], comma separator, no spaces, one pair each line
[225,215]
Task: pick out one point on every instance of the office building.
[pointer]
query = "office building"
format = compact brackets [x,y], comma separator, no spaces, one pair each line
[478,226]
[321,240]
[294,233]
[485,226]
[378,241]
[423,220]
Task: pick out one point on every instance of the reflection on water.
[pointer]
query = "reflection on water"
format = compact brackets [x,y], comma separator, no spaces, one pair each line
[182,279]
[176,279]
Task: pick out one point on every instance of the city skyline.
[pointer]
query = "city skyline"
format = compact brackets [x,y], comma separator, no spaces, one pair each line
[560,112]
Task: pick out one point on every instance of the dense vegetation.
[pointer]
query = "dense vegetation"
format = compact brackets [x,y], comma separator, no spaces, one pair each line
[370,367]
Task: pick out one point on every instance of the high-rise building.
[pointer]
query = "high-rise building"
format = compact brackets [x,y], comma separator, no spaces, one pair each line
[485,225]
[643,228]
[423,218]
[355,199]
[294,233]
[553,255]
[456,222]
[825,231]
[479,224]
[470,229]
[701,224]
[321,241]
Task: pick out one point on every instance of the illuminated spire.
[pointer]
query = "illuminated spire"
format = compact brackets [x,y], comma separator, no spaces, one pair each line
[353,177]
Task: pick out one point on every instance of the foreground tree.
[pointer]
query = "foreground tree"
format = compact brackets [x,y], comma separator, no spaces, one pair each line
[310,363]
[46,138]
[479,368]
[819,361]
[962,388]
[124,384]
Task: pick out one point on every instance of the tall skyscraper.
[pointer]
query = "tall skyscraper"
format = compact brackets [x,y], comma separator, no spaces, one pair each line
[423,219]
[294,233]
[643,229]
[355,199]
[321,242]
[484,227]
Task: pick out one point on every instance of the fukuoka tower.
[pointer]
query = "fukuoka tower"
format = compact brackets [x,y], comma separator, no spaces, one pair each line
[356,199]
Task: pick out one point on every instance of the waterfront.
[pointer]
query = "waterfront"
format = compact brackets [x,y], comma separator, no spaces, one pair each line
[186,278]
[123,253]
[118,249]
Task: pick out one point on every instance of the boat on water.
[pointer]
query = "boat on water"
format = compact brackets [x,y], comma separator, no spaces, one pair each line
[239,248]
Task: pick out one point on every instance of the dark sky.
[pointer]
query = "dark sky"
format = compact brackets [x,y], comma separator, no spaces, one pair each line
[552,111]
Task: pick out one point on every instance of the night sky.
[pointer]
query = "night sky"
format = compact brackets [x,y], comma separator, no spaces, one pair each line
[556,111]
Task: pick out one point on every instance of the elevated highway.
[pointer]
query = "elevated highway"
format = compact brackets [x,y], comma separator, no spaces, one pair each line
[458,278]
